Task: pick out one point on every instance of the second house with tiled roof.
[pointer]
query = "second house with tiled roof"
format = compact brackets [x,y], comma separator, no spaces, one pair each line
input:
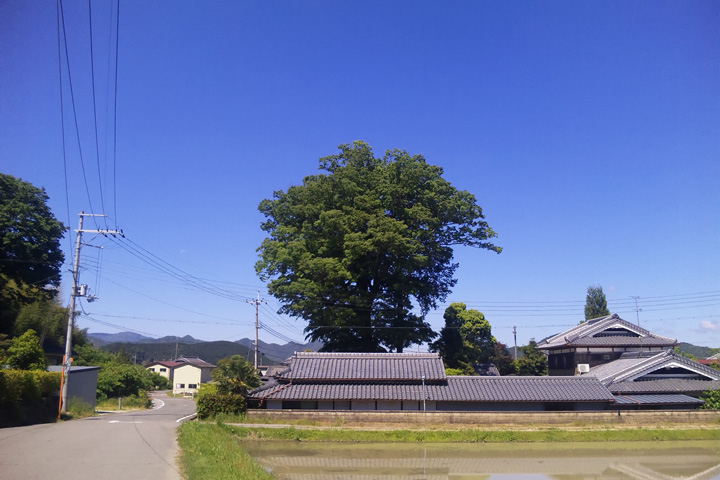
[598,341]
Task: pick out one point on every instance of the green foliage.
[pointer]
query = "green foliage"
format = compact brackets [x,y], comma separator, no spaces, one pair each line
[27,385]
[595,303]
[31,233]
[712,400]
[465,340]
[87,355]
[209,451]
[502,360]
[533,362]
[78,408]
[25,353]
[354,250]
[210,405]
[234,375]
[120,380]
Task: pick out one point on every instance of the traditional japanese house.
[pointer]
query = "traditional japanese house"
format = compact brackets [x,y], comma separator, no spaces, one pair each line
[597,341]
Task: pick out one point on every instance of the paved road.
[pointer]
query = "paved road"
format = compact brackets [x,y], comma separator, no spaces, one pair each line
[129,445]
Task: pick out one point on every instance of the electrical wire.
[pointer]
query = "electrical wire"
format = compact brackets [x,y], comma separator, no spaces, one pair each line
[74,109]
[94,103]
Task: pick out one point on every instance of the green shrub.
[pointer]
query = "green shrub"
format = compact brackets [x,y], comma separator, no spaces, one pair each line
[210,405]
[79,408]
[27,385]
[712,400]
[141,400]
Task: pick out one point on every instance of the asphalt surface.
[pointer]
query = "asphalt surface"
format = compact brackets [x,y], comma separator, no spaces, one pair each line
[137,444]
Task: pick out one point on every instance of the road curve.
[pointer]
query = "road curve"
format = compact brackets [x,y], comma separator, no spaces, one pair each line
[135,444]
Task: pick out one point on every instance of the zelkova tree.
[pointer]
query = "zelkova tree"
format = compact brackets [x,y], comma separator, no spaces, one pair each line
[595,303]
[365,250]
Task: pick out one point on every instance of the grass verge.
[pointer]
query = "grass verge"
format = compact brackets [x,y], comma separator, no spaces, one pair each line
[471,435]
[212,451]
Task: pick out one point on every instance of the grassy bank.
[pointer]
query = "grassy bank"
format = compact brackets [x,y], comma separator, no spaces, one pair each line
[214,451]
[210,451]
[472,435]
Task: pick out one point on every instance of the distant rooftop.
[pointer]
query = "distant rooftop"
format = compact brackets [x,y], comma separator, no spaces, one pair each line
[608,331]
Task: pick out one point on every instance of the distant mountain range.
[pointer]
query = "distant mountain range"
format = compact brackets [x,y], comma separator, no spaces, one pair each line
[146,349]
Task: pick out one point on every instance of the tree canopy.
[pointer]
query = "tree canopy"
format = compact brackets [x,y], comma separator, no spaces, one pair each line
[30,254]
[365,250]
[595,303]
[235,376]
[465,340]
[533,362]
[25,353]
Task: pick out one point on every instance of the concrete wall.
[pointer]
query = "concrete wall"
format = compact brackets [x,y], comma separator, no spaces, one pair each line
[640,417]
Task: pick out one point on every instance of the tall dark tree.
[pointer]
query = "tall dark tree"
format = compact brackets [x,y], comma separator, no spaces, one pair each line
[465,340]
[595,303]
[364,251]
[30,254]
[533,362]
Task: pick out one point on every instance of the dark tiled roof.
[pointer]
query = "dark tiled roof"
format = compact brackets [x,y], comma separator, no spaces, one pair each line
[582,334]
[669,385]
[486,370]
[628,368]
[458,389]
[365,366]
[164,363]
[526,389]
[619,341]
[673,399]
[194,361]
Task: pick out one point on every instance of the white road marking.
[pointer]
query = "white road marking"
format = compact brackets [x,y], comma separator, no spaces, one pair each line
[187,417]
[118,421]
[157,404]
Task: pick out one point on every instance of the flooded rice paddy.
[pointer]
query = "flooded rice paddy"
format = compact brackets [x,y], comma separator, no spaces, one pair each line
[689,460]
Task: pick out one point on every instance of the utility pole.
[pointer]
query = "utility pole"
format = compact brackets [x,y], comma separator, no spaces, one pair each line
[515,338]
[637,310]
[256,303]
[76,291]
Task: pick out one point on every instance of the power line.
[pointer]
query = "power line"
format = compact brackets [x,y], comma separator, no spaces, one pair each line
[74,109]
[94,103]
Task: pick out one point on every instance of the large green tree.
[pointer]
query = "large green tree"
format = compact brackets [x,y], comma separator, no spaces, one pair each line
[30,254]
[533,362]
[234,376]
[465,340]
[595,303]
[365,250]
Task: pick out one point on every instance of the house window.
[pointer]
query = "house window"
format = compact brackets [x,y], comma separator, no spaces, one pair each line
[179,385]
[152,369]
[192,385]
[162,370]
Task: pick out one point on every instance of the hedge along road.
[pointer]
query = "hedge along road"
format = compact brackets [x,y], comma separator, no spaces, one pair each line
[136,444]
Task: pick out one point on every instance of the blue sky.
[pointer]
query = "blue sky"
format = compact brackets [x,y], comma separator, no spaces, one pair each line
[588,131]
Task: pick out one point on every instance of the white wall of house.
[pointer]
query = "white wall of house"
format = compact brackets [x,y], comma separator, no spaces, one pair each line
[186,378]
[164,371]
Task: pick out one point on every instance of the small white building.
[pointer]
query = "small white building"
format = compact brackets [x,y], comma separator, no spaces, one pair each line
[189,373]
[164,368]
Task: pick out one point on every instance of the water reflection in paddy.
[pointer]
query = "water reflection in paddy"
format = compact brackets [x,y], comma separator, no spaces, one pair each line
[696,460]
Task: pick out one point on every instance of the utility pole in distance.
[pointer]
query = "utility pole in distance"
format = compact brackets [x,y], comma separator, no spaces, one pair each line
[76,291]
[637,310]
[515,338]
[256,303]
